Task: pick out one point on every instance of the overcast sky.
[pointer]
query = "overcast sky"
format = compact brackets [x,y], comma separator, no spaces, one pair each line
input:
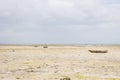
[60,21]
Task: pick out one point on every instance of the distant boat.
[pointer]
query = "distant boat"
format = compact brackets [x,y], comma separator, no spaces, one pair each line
[98,51]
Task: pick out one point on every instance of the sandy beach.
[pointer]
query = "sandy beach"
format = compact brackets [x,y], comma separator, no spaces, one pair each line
[59,62]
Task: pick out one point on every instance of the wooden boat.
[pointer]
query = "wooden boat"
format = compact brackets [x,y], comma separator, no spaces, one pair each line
[98,51]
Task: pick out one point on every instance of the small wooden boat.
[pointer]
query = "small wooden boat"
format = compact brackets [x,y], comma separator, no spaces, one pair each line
[98,51]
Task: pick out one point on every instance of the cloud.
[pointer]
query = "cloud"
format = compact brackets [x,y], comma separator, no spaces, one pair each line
[52,21]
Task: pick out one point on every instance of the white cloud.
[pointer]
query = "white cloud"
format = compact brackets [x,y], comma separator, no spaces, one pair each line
[46,17]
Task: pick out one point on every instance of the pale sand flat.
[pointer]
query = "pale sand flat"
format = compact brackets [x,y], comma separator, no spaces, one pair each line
[58,62]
